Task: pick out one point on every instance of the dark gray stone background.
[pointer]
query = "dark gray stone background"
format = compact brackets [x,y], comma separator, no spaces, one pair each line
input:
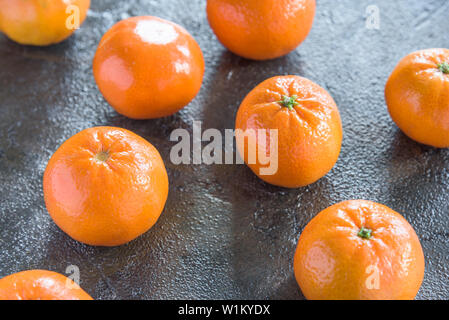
[224,234]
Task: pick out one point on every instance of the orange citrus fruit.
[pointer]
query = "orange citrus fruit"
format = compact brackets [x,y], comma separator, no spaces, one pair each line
[105,186]
[359,250]
[417,95]
[309,130]
[261,29]
[41,22]
[147,67]
[40,285]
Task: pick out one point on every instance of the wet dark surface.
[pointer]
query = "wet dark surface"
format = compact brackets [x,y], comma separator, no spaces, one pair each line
[224,233]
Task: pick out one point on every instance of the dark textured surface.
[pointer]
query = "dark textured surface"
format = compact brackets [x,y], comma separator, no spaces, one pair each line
[224,233]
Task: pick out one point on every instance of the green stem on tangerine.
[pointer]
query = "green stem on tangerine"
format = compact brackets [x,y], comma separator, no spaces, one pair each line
[365,233]
[444,67]
[289,102]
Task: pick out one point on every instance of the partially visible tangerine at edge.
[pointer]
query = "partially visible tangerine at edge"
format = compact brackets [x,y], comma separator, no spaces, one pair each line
[417,96]
[359,250]
[261,29]
[41,22]
[40,285]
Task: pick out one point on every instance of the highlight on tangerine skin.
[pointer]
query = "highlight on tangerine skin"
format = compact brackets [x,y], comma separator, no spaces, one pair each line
[308,124]
[417,96]
[147,67]
[105,186]
[41,22]
[359,250]
[40,285]
[261,29]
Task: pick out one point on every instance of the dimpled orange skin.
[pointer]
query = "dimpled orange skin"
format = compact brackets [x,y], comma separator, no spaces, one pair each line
[105,186]
[309,135]
[332,262]
[40,285]
[417,95]
[39,22]
[261,29]
[147,67]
